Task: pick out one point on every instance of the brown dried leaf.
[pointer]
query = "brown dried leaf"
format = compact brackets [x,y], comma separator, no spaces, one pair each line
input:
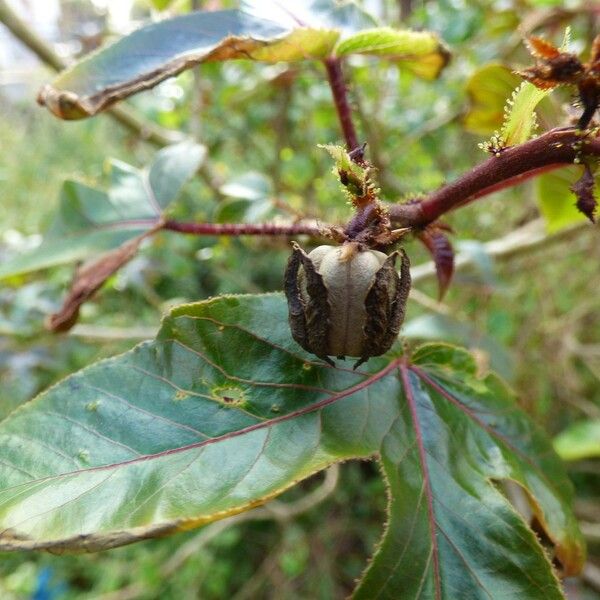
[541,48]
[553,67]
[89,278]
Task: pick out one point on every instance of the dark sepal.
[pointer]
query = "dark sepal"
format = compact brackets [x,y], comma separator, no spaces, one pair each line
[308,317]
[584,190]
[297,318]
[385,305]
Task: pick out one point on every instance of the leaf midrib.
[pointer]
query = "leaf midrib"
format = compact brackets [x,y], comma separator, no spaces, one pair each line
[230,435]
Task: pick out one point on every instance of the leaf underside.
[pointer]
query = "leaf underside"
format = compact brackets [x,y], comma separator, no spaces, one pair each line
[223,411]
[262,30]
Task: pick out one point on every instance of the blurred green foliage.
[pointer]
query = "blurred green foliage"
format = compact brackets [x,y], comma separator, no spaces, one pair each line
[262,125]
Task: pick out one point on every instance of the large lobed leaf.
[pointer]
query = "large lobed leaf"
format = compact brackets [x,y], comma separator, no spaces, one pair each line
[265,30]
[223,411]
[91,221]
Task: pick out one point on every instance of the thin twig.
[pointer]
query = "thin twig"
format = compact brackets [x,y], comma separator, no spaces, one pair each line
[235,229]
[591,531]
[339,91]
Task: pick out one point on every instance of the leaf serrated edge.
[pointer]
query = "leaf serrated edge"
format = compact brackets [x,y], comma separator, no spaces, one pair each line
[96,542]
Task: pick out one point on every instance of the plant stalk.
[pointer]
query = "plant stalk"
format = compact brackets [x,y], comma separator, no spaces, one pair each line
[235,229]
[512,166]
[335,75]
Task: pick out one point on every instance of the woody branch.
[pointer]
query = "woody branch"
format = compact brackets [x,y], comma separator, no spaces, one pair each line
[551,150]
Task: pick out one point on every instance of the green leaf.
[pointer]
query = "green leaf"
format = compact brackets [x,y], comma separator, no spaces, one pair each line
[579,440]
[520,121]
[251,199]
[223,411]
[520,118]
[248,186]
[556,200]
[260,30]
[420,51]
[90,221]
[353,177]
[161,4]
[488,89]
[436,327]
[451,532]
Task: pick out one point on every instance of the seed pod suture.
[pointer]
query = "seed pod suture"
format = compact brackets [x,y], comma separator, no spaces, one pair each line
[346,300]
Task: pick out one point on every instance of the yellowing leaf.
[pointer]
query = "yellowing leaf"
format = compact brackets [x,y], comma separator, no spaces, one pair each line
[488,89]
[420,51]
[265,31]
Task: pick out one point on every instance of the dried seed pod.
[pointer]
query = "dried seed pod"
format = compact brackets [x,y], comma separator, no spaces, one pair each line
[346,300]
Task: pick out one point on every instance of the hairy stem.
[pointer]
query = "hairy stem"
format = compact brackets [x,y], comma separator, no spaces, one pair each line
[512,166]
[339,91]
[235,229]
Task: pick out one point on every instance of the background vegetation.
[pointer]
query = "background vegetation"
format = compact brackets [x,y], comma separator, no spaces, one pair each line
[535,309]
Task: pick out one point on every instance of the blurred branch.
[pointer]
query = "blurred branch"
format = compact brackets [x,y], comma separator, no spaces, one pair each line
[251,587]
[135,123]
[126,116]
[591,531]
[428,302]
[290,510]
[273,510]
[588,509]
[591,575]
[526,239]
[21,30]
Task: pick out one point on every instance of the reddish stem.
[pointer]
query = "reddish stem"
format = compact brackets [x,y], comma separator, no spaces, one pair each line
[512,166]
[242,228]
[335,76]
